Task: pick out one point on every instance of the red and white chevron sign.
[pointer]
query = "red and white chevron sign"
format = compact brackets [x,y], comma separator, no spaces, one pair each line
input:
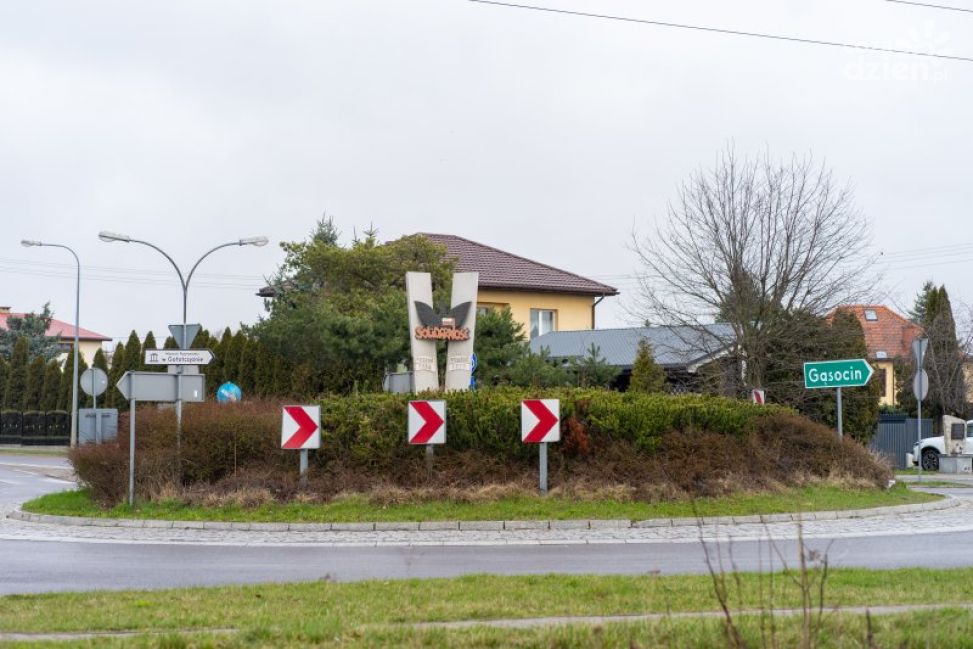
[427,422]
[540,420]
[301,427]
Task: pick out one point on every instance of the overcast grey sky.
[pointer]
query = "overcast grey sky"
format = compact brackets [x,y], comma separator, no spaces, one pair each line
[194,123]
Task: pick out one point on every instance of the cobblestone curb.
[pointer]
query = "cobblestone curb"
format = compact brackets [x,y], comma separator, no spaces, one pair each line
[481,526]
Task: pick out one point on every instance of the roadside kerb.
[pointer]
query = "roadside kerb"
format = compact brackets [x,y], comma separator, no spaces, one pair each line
[484,526]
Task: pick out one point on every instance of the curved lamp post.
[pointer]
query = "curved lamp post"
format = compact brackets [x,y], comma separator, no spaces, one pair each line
[110,237]
[27,243]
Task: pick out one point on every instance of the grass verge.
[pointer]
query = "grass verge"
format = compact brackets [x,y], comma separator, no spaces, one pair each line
[381,613]
[46,452]
[351,509]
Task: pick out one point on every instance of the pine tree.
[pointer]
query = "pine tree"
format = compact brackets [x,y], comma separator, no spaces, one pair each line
[647,375]
[35,384]
[231,363]
[4,370]
[16,389]
[133,352]
[281,385]
[52,387]
[114,399]
[170,343]
[592,370]
[101,362]
[246,373]
[149,344]
[263,382]
[67,381]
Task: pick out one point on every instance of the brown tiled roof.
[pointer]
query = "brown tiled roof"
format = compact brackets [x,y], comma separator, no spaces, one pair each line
[889,332]
[503,270]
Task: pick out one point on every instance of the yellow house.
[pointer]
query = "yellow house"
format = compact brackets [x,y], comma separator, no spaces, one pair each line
[888,337]
[540,297]
[89,342]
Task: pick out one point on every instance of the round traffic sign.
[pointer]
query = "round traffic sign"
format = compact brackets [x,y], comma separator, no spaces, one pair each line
[93,381]
[920,385]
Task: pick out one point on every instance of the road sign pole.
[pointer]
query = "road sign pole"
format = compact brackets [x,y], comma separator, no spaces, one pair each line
[131,452]
[543,468]
[841,429]
[303,466]
[430,454]
[919,354]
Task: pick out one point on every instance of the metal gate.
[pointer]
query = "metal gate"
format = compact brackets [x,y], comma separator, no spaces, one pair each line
[896,436]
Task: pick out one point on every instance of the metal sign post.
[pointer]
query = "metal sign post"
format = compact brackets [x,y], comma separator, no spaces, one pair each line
[920,386]
[154,386]
[543,468]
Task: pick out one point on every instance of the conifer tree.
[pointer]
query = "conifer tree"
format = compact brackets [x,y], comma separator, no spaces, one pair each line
[170,343]
[280,385]
[246,373]
[114,398]
[67,381]
[4,369]
[52,387]
[133,352]
[35,384]
[263,371]
[101,362]
[147,345]
[231,363]
[647,375]
[16,389]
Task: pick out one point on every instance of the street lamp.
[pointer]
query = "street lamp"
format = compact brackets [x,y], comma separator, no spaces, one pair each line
[28,243]
[110,237]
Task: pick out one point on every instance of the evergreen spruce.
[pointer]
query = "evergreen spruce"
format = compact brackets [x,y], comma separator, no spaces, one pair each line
[170,343]
[280,385]
[16,389]
[52,387]
[231,362]
[67,381]
[4,371]
[647,375]
[114,398]
[592,370]
[133,352]
[247,371]
[101,362]
[263,382]
[148,345]
[35,384]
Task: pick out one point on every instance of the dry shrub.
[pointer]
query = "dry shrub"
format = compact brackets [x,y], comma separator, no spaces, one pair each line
[231,455]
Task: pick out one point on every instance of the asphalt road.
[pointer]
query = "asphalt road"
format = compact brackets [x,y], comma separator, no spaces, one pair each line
[38,566]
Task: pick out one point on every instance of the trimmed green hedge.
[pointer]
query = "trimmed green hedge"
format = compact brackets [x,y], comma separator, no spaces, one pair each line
[371,428]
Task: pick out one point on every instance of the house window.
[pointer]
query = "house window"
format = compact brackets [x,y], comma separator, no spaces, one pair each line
[883,378]
[881,355]
[542,321]
[482,308]
[870,315]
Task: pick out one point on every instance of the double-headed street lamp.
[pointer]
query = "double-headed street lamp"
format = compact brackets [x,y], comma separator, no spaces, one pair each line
[110,237]
[27,243]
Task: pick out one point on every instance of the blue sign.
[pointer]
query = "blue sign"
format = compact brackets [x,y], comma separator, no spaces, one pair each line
[229,393]
[473,362]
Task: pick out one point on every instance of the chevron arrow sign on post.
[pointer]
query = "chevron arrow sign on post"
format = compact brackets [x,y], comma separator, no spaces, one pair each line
[540,420]
[300,427]
[427,422]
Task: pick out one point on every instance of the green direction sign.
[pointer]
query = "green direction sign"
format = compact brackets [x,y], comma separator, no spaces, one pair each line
[850,373]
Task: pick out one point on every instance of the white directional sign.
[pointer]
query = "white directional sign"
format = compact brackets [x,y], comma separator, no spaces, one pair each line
[300,427]
[178,357]
[540,420]
[156,386]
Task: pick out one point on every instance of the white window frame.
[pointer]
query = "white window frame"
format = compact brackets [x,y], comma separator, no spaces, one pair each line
[536,313]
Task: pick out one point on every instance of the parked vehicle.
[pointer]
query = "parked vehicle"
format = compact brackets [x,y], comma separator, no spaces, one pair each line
[933,447]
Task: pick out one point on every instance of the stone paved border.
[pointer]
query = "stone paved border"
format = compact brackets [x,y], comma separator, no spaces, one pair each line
[481,526]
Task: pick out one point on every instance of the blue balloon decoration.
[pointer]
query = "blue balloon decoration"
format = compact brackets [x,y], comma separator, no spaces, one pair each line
[229,393]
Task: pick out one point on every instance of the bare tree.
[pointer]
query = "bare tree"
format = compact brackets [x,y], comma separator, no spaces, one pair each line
[750,243]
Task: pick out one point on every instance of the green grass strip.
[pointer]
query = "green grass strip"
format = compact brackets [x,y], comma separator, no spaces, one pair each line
[353,509]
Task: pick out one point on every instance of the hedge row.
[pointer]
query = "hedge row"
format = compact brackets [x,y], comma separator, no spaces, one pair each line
[372,427]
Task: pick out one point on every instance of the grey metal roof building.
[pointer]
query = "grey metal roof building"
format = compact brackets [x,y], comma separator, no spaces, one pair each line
[675,348]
